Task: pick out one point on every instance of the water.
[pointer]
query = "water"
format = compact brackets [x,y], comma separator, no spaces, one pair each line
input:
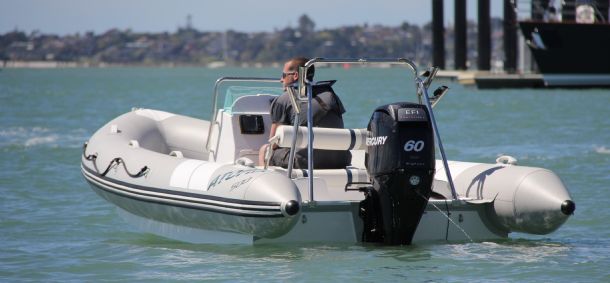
[54,228]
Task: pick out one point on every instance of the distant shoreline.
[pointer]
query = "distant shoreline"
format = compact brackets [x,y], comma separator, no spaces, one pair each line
[65,65]
[212,65]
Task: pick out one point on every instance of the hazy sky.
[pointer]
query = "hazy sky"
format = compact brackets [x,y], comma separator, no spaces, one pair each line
[72,16]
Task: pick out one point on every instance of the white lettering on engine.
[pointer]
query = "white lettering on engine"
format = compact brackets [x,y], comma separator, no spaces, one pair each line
[374,141]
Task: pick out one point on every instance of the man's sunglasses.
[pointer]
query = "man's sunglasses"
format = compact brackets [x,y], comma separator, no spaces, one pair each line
[287,74]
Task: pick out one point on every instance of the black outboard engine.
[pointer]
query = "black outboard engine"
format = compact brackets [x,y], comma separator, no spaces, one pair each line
[400,162]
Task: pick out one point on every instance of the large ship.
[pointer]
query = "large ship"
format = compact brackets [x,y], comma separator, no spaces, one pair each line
[570,42]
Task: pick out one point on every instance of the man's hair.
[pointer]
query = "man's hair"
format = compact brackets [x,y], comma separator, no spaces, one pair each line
[297,62]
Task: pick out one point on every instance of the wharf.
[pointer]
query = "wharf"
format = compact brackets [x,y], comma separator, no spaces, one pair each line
[487,80]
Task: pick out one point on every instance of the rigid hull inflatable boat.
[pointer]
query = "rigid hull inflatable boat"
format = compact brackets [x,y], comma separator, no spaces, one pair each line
[196,181]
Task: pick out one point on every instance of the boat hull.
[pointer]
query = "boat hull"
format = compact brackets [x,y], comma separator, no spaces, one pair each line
[570,54]
[258,219]
[569,48]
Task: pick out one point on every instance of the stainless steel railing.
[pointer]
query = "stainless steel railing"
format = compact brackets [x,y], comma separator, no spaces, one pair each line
[421,83]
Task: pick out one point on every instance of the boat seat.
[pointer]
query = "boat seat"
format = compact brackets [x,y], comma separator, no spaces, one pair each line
[324,138]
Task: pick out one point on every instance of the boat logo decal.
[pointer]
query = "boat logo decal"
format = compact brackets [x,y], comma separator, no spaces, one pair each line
[374,141]
[232,174]
[238,184]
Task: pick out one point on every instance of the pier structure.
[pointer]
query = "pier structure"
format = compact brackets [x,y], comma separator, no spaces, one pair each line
[483,35]
[519,70]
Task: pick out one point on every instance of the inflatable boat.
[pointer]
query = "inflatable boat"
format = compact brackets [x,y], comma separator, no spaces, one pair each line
[198,180]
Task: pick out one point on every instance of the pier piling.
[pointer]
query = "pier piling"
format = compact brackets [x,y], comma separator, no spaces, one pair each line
[510,37]
[484,36]
[460,35]
[438,34]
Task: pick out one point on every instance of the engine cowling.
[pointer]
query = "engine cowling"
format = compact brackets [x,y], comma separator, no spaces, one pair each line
[400,161]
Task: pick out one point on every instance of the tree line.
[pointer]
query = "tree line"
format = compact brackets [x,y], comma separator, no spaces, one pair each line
[189,46]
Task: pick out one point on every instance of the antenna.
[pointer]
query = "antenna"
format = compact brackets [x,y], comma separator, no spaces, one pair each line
[189,22]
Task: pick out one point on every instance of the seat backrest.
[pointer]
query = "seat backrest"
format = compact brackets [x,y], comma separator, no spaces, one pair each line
[252,104]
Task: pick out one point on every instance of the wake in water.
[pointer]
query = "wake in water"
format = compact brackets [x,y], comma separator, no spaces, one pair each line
[602,150]
[39,136]
[517,251]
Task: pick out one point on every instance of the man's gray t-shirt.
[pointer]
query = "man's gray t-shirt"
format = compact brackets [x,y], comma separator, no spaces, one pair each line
[327,113]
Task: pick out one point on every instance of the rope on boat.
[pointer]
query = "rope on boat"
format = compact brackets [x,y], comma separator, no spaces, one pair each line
[115,162]
[91,157]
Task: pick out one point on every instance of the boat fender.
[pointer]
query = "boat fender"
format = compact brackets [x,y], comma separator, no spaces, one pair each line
[176,153]
[506,160]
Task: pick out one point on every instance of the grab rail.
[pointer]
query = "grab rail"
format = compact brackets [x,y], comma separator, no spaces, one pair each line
[421,85]
[438,136]
[215,100]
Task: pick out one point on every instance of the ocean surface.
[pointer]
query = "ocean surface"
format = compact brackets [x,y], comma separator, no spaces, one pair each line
[53,227]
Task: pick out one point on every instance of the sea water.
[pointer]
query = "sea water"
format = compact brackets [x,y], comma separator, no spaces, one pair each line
[53,227]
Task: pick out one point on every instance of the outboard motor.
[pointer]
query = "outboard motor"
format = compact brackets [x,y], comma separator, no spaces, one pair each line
[400,162]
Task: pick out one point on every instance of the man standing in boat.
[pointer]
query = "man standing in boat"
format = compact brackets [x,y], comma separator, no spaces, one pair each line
[327,111]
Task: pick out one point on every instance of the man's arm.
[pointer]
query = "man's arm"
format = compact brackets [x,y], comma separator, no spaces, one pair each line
[272,132]
[277,112]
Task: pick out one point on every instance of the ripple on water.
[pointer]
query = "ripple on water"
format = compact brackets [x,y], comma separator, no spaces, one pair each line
[602,150]
[26,137]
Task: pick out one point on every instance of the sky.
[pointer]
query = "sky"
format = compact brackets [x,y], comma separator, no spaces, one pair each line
[64,17]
